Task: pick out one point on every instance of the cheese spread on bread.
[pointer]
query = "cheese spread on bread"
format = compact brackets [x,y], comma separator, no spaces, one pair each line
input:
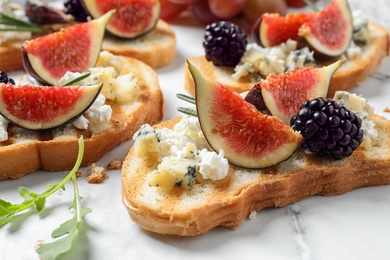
[182,153]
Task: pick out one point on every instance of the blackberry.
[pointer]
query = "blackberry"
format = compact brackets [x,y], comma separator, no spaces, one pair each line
[328,128]
[76,9]
[224,43]
[4,78]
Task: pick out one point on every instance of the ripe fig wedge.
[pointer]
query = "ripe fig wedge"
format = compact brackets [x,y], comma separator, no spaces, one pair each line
[249,138]
[329,32]
[272,29]
[132,19]
[283,94]
[74,49]
[45,107]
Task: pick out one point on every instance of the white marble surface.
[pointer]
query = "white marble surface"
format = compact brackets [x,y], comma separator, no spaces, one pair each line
[355,225]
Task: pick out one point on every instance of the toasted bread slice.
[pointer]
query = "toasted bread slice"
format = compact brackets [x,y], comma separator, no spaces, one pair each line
[27,151]
[227,202]
[348,76]
[156,48]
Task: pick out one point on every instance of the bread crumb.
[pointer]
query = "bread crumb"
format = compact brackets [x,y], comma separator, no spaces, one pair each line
[98,174]
[115,164]
[253,215]
[387,109]
[79,174]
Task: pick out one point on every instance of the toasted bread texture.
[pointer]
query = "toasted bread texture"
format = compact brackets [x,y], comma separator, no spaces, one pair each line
[227,202]
[26,151]
[156,48]
[346,77]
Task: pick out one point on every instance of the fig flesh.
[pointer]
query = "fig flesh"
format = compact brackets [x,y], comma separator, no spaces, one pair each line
[329,33]
[132,19]
[272,29]
[45,107]
[283,94]
[75,49]
[249,138]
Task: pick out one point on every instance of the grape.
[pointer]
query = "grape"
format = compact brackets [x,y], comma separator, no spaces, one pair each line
[253,9]
[226,9]
[297,3]
[203,13]
[183,2]
[170,10]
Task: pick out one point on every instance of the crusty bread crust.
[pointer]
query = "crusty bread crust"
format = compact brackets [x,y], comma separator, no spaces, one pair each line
[27,151]
[194,211]
[10,57]
[345,78]
[156,48]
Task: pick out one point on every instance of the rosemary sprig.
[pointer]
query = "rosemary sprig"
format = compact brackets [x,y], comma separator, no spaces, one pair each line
[187,98]
[187,110]
[14,24]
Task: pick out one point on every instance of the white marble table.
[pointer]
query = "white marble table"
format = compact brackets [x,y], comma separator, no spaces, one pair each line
[355,225]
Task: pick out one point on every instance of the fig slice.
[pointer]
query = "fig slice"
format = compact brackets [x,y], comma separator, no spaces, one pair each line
[75,48]
[249,138]
[133,18]
[272,29]
[283,94]
[45,107]
[329,33]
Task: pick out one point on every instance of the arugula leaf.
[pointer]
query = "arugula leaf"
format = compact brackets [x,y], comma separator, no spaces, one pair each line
[9,210]
[70,228]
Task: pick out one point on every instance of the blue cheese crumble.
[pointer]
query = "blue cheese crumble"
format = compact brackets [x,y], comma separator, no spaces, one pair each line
[260,62]
[182,152]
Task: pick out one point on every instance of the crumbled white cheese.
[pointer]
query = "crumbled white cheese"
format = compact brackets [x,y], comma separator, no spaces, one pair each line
[182,151]
[3,129]
[260,62]
[300,58]
[146,142]
[353,51]
[98,110]
[360,27]
[212,165]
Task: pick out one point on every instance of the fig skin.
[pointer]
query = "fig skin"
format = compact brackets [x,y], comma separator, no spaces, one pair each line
[93,9]
[273,97]
[45,74]
[82,106]
[321,46]
[249,138]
